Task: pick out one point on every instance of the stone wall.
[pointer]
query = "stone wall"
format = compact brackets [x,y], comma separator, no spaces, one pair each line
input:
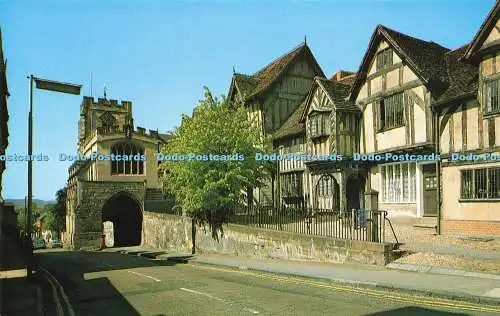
[166,231]
[174,233]
[91,198]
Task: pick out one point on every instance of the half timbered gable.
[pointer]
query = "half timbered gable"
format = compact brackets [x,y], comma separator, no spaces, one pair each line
[397,78]
[274,92]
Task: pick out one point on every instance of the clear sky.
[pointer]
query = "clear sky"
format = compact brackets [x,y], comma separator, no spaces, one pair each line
[159,55]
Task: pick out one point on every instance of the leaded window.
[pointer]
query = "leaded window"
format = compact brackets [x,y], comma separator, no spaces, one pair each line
[325,186]
[492,96]
[319,125]
[398,183]
[384,59]
[392,112]
[133,162]
[291,184]
[481,183]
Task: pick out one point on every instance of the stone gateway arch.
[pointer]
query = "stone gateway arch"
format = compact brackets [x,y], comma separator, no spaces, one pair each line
[108,196]
[98,203]
[122,221]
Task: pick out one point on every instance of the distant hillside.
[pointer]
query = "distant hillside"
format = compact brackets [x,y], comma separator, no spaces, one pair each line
[20,202]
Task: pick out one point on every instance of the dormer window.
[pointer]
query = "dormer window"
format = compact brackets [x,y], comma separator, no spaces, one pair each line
[384,59]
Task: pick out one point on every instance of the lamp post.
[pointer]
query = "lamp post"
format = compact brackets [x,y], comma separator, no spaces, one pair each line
[51,86]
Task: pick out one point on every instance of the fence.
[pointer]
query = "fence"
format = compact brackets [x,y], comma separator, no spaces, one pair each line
[364,225]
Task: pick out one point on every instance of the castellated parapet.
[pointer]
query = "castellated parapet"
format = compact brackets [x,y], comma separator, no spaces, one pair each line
[103,114]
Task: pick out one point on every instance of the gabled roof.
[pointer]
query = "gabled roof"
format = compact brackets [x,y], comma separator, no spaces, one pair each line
[244,84]
[338,93]
[485,29]
[336,90]
[462,77]
[425,59]
[251,86]
[293,125]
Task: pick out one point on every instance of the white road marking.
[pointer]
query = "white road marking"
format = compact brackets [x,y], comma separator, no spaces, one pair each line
[133,272]
[204,294]
[253,311]
[53,283]
[144,275]
[493,293]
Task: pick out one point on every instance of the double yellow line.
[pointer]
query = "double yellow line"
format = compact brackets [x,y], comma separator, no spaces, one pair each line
[385,295]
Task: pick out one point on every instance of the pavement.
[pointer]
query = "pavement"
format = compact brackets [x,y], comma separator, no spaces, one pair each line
[456,251]
[18,295]
[443,283]
[138,281]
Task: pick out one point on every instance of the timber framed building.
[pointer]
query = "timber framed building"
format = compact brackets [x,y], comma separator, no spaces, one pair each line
[408,97]
[271,95]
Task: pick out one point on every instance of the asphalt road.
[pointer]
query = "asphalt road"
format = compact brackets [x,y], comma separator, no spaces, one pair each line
[104,283]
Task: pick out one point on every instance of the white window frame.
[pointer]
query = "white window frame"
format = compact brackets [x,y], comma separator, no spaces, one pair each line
[390,180]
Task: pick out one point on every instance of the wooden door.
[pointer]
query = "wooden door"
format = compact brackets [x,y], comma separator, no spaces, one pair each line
[430,190]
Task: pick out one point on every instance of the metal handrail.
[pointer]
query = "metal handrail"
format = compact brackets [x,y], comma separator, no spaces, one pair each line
[392,228]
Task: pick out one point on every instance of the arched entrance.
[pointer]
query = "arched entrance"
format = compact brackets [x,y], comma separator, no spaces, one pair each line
[327,193]
[126,215]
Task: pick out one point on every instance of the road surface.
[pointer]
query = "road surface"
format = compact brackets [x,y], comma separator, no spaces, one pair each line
[105,283]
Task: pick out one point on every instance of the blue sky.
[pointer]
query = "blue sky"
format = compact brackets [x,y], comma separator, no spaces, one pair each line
[159,55]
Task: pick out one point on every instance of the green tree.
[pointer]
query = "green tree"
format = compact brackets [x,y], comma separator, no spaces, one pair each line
[208,190]
[50,222]
[59,210]
[21,218]
[271,168]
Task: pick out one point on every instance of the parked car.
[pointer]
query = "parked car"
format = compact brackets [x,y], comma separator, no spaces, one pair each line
[56,243]
[39,244]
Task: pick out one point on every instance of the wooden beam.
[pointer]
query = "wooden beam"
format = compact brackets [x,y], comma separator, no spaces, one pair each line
[491,132]
[388,92]
[428,116]
[385,70]
[452,135]
[375,124]
[464,127]
[407,99]
[412,119]
[480,126]
[401,77]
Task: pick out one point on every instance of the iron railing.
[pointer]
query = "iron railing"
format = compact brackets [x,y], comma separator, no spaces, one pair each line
[366,225]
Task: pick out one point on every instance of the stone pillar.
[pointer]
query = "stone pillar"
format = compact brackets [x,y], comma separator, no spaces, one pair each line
[372,216]
[371,200]
[342,191]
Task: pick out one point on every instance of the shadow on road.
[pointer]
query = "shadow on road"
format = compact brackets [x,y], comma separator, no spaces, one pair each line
[18,294]
[88,292]
[414,310]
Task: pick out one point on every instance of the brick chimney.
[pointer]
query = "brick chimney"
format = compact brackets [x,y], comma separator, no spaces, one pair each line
[341,74]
